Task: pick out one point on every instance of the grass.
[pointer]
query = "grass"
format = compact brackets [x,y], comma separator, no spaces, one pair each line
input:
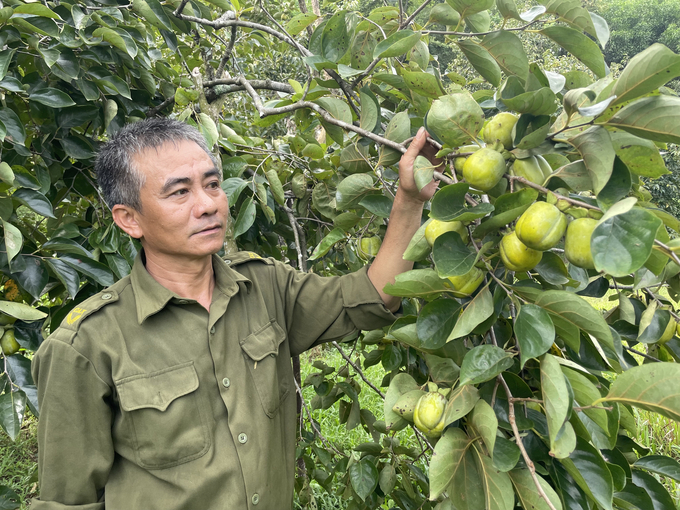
[18,461]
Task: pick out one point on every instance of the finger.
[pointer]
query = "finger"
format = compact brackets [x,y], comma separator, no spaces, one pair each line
[416,146]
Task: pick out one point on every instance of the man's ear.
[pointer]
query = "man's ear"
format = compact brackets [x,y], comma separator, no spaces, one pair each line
[126,218]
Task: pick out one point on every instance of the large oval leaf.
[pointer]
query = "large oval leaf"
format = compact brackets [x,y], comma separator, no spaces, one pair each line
[483,363]
[535,332]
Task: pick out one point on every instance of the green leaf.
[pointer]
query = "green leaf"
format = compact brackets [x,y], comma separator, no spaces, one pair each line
[571,12]
[506,454]
[484,421]
[13,240]
[6,173]
[5,61]
[354,158]
[35,201]
[21,311]
[402,383]
[388,479]
[352,189]
[66,275]
[576,311]
[661,465]
[528,494]
[423,171]
[36,9]
[507,49]
[447,461]
[468,7]
[448,204]
[451,256]
[90,267]
[379,205]
[208,128]
[639,155]
[585,393]
[575,175]
[617,188]
[622,242]
[509,207]
[455,119]
[653,387]
[481,60]
[370,110]
[507,9]
[595,146]
[51,97]
[112,37]
[397,44]
[398,130]
[461,401]
[335,235]
[578,45]
[418,247]
[298,23]
[245,218]
[661,499]
[362,49]
[589,470]
[646,72]
[535,332]
[9,500]
[477,311]
[364,477]
[497,486]
[539,102]
[424,84]
[436,321]
[337,108]
[442,370]
[335,39]
[483,363]
[655,118]
[12,408]
[14,126]
[417,283]
[555,396]
[64,245]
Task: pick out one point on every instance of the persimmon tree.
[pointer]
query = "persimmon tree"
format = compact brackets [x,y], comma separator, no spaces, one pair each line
[518,390]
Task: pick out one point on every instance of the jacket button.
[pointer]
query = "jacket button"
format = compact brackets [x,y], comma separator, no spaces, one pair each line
[242,438]
[226,382]
[212,330]
[255,499]
[106,296]
[182,302]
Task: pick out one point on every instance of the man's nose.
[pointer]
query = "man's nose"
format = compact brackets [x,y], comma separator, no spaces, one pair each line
[205,203]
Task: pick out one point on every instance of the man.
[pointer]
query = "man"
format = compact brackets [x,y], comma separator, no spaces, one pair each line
[173,388]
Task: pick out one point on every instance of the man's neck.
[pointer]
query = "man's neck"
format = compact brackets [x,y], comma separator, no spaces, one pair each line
[190,279]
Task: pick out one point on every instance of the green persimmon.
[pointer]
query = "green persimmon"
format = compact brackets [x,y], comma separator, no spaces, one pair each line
[541,226]
[534,168]
[500,128]
[8,343]
[577,242]
[436,228]
[483,169]
[468,283]
[428,415]
[517,256]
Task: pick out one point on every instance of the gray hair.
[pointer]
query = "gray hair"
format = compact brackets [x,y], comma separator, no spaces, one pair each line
[119,178]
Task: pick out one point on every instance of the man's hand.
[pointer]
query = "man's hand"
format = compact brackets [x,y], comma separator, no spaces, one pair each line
[407,184]
[405,219]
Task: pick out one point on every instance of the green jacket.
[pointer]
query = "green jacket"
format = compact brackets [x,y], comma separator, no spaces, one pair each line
[151,402]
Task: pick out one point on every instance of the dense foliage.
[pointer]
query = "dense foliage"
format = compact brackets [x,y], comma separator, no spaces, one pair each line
[499,361]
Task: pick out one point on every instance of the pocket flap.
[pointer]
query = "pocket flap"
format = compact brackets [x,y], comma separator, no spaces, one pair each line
[264,341]
[157,389]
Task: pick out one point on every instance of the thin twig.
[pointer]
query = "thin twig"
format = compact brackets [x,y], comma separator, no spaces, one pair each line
[302,263]
[646,356]
[518,438]
[478,34]
[357,369]
[410,19]
[545,190]
[228,52]
[157,109]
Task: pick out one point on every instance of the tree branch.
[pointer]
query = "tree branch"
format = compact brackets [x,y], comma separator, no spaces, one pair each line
[545,191]
[157,109]
[478,34]
[227,53]
[311,421]
[302,255]
[518,438]
[235,85]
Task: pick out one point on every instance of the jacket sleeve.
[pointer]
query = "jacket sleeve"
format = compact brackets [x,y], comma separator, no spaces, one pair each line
[75,447]
[323,309]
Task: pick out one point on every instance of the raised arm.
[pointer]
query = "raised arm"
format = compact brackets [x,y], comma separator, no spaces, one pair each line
[404,220]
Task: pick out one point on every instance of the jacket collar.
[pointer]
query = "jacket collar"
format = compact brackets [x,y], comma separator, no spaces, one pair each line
[151,297]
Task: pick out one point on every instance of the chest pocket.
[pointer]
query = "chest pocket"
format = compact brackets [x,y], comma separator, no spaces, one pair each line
[268,369]
[164,416]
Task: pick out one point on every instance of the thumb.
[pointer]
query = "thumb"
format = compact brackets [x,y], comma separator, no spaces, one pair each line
[416,146]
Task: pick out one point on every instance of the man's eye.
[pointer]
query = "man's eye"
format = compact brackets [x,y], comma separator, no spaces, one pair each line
[214,185]
[179,192]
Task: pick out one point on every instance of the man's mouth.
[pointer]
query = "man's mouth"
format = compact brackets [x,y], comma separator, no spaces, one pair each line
[210,229]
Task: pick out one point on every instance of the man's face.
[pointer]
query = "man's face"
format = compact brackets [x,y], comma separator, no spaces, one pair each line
[184,211]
